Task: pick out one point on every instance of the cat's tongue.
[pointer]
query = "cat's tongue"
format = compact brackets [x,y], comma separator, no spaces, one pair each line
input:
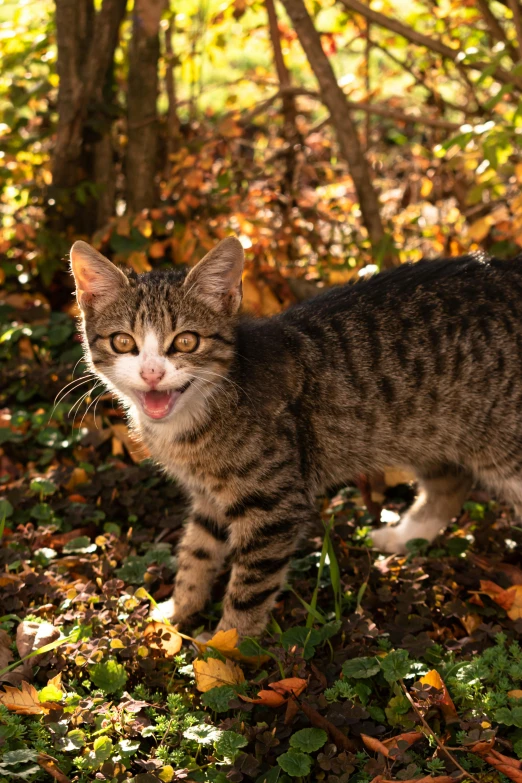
[157,404]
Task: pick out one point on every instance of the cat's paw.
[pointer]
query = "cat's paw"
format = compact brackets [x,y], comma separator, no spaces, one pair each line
[204,637]
[164,612]
[391,539]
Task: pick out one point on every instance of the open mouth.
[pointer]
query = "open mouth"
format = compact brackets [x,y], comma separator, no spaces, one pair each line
[158,404]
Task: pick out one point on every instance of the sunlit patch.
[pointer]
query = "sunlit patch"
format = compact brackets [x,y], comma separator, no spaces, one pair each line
[510,543]
[389,517]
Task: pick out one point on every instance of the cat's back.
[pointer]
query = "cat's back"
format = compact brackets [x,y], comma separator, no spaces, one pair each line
[449,286]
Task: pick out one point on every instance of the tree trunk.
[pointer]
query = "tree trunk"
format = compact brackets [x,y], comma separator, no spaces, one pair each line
[349,143]
[283,74]
[83,151]
[173,127]
[142,148]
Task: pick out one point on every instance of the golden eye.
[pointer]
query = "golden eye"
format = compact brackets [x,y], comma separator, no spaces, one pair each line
[186,342]
[123,343]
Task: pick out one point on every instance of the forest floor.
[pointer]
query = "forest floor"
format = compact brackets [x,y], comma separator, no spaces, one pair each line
[373,668]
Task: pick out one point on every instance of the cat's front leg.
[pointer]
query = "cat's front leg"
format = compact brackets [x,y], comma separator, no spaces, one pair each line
[201,554]
[262,546]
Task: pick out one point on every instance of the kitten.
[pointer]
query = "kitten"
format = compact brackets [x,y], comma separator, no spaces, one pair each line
[416,367]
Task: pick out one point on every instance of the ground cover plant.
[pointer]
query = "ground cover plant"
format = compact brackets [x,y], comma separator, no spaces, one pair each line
[373,667]
[333,138]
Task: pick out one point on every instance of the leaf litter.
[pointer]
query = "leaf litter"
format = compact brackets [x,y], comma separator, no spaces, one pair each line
[403,668]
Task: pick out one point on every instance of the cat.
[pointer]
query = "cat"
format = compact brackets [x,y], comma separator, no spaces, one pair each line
[417,367]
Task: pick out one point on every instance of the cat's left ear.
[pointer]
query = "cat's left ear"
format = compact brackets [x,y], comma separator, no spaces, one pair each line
[98,281]
[217,277]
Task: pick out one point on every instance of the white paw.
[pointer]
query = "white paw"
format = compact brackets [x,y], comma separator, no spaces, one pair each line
[390,539]
[164,611]
[204,637]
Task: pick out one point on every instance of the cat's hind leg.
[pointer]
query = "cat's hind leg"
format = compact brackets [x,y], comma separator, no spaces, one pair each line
[441,493]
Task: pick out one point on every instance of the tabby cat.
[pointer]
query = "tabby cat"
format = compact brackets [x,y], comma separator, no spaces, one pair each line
[417,367]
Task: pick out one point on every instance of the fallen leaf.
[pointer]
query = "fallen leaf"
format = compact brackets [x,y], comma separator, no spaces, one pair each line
[139,262]
[471,622]
[516,694]
[78,476]
[426,779]
[213,673]
[293,686]
[50,765]
[170,642]
[510,767]
[226,642]
[24,701]
[510,600]
[6,656]
[445,702]
[31,636]
[137,451]
[372,743]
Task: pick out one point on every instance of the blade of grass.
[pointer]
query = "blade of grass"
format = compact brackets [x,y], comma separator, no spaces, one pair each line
[313,603]
[335,572]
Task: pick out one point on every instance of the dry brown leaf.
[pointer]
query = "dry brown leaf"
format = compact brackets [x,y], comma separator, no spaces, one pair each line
[6,656]
[31,636]
[445,702]
[78,476]
[214,673]
[50,765]
[170,642]
[516,694]
[24,701]
[510,767]
[226,643]
[510,599]
[388,745]
[281,691]
[471,622]
[374,744]
[426,779]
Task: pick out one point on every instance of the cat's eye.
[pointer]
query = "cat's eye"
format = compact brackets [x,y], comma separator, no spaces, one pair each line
[123,343]
[186,342]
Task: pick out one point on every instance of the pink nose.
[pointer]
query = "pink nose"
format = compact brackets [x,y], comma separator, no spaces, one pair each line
[152,376]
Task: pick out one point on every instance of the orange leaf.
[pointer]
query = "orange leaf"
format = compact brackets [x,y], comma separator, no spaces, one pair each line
[510,767]
[157,250]
[445,703]
[50,766]
[374,744]
[409,736]
[24,701]
[78,476]
[515,694]
[510,599]
[214,673]
[226,643]
[280,692]
[292,685]
[170,642]
[139,262]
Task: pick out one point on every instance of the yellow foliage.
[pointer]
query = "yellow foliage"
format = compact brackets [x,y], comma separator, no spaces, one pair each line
[214,673]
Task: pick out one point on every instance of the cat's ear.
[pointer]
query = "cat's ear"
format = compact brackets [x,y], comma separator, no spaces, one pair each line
[98,281]
[217,277]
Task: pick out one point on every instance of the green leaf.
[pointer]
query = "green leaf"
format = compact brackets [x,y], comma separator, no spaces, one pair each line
[217,699]
[109,675]
[396,665]
[294,762]
[229,745]
[6,508]
[361,668]
[19,756]
[203,734]
[44,487]
[50,693]
[307,638]
[74,740]
[81,545]
[503,715]
[101,752]
[272,776]
[308,740]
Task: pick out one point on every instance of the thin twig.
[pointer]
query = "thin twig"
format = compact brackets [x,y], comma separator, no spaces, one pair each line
[432,734]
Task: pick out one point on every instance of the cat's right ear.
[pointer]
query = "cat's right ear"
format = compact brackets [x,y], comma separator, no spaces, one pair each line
[98,281]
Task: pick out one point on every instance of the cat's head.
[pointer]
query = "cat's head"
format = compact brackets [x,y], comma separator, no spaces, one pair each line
[164,340]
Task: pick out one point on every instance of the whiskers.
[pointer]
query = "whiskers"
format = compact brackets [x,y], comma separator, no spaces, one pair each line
[205,374]
[72,386]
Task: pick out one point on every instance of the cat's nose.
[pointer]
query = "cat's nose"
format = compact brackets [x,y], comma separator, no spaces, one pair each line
[152,375]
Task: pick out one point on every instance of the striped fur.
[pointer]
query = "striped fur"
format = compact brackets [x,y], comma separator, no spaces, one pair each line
[417,367]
